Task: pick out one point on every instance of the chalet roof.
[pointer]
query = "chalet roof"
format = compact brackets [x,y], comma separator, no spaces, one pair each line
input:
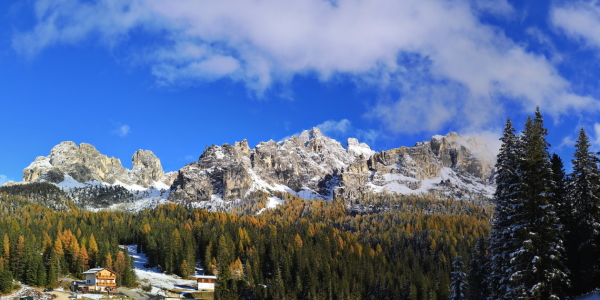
[96,270]
[206,276]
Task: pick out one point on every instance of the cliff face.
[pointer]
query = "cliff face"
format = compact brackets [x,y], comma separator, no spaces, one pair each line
[84,163]
[309,165]
[313,165]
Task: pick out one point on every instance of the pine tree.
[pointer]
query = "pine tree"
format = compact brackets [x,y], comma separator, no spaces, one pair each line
[52,277]
[6,281]
[563,210]
[17,258]
[41,275]
[478,272]
[537,265]
[583,198]
[459,286]
[129,274]
[505,197]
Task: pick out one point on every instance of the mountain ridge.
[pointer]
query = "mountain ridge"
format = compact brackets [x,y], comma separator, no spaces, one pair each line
[309,165]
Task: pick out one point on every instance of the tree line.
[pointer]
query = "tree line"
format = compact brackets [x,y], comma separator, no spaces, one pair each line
[545,238]
[303,249]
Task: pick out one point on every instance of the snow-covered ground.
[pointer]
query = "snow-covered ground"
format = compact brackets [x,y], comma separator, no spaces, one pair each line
[154,277]
[592,296]
[273,202]
[28,291]
[396,183]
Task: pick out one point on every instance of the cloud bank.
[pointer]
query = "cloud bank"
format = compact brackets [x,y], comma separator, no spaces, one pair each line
[579,20]
[442,61]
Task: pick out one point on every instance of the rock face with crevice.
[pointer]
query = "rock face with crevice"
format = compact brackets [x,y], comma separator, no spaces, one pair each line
[313,165]
[84,163]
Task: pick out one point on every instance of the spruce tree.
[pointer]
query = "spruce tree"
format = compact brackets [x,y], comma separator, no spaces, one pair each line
[459,286]
[505,197]
[583,198]
[478,272]
[52,277]
[538,271]
[6,281]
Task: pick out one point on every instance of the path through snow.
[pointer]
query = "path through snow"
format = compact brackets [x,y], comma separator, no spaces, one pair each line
[154,277]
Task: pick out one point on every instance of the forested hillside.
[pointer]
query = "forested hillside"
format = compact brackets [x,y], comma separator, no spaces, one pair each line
[304,249]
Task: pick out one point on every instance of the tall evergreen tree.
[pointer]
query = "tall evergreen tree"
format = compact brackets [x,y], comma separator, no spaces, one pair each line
[537,265]
[6,281]
[459,286]
[562,207]
[583,198]
[505,197]
[478,272]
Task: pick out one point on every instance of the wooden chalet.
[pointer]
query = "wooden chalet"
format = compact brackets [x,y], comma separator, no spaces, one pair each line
[100,280]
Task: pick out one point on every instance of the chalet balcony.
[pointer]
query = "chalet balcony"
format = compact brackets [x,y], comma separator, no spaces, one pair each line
[106,277]
[105,283]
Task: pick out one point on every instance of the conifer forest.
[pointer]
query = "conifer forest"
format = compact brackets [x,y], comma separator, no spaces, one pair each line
[538,238]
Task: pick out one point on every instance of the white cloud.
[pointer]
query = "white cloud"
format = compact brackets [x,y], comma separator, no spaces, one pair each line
[122,130]
[596,142]
[4,179]
[567,141]
[496,7]
[368,136]
[335,127]
[491,139]
[465,69]
[579,20]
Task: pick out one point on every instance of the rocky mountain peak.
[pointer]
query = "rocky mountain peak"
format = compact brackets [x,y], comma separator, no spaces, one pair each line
[310,165]
[85,163]
[146,167]
[313,165]
[310,134]
[356,148]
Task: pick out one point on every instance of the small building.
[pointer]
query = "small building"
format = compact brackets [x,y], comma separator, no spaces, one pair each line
[100,279]
[78,286]
[206,282]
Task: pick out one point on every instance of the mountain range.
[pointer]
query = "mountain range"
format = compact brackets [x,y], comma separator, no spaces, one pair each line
[309,165]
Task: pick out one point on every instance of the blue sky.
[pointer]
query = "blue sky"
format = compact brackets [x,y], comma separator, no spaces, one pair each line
[175,76]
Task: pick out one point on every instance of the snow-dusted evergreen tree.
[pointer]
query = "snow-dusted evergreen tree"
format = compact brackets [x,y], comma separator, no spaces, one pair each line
[562,207]
[501,241]
[459,286]
[537,267]
[583,197]
[478,272]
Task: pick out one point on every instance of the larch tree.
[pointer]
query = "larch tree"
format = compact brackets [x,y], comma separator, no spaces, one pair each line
[93,251]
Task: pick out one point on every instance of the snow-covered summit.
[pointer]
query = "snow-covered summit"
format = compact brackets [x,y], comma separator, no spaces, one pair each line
[356,148]
[314,165]
[309,165]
